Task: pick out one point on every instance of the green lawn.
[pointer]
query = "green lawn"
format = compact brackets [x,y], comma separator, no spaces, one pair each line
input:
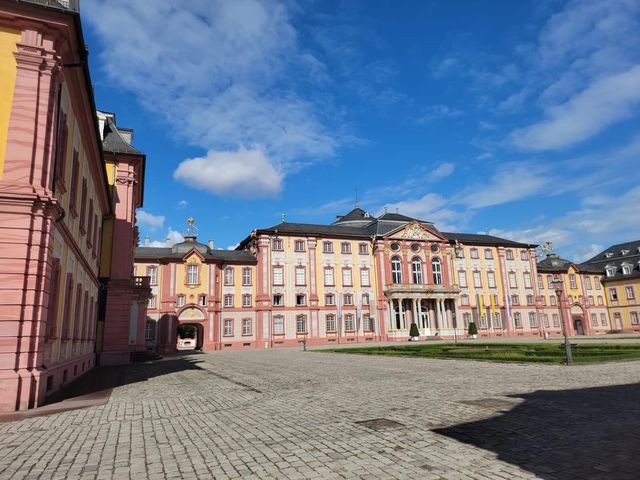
[506,352]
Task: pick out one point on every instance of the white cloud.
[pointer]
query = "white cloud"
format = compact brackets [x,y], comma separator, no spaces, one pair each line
[182,204]
[443,170]
[243,173]
[148,220]
[585,252]
[603,103]
[222,75]
[431,208]
[438,112]
[172,237]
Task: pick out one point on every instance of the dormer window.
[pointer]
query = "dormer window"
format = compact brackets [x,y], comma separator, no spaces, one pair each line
[611,270]
[626,269]
[624,252]
[608,254]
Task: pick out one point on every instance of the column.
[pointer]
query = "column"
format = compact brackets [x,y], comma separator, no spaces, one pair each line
[415,319]
[390,314]
[456,324]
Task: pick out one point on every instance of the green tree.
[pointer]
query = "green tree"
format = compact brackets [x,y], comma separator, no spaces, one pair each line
[473,329]
[413,330]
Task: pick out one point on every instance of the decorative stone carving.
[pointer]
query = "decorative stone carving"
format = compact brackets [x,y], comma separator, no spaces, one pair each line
[414,231]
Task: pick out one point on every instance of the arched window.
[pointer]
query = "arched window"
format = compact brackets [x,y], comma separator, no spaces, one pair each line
[416,270]
[437,271]
[396,270]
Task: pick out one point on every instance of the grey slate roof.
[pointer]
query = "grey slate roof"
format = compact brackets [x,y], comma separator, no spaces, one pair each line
[115,142]
[157,254]
[482,239]
[617,258]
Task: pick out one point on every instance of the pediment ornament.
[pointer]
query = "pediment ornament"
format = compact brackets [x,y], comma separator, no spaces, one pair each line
[415,232]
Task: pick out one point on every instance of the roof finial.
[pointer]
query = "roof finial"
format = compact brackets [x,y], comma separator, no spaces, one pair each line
[282,217]
[191,232]
[357,202]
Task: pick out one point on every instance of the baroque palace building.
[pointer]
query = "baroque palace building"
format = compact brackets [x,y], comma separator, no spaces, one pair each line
[69,186]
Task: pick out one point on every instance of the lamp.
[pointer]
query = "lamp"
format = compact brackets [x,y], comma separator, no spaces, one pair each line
[558,286]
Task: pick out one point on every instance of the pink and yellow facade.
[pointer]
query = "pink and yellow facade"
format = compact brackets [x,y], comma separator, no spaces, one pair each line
[54,196]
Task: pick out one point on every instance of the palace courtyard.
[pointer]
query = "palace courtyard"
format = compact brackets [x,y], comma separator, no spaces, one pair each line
[293,414]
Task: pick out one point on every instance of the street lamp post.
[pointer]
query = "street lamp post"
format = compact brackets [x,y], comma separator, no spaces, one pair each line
[558,285]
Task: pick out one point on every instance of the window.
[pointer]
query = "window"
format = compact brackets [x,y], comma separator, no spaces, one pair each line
[327,247]
[594,320]
[329,299]
[75,170]
[367,323]
[530,300]
[228,328]
[347,278]
[596,282]
[491,279]
[477,279]
[540,283]
[546,320]
[152,302]
[512,280]
[488,254]
[91,227]
[590,300]
[462,278]
[395,246]
[363,249]
[180,300]
[61,151]
[613,294]
[556,320]
[246,326]
[527,279]
[498,320]
[464,299]
[365,278]
[150,331]
[228,301]
[202,300]
[634,318]
[543,300]
[277,244]
[330,321]
[517,318]
[509,254]
[600,300]
[365,299]
[348,323]
[301,324]
[572,281]
[298,245]
[301,299]
[278,325]
[466,318]
[83,205]
[416,271]
[278,275]
[587,283]
[246,276]
[246,300]
[611,271]
[192,275]
[483,321]
[626,269]
[347,299]
[629,291]
[515,300]
[570,299]
[345,248]
[552,300]
[533,321]
[329,278]
[278,300]
[550,282]
[396,270]
[524,255]
[53,298]
[152,273]
[301,276]
[459,252]
[228,276]
[603,319]
[437,273]
[474,253]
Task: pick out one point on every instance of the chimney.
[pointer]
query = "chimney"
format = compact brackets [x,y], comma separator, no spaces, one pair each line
[146,241]
[211,244]
[397,210]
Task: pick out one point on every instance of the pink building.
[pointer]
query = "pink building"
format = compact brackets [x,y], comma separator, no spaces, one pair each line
[55,193]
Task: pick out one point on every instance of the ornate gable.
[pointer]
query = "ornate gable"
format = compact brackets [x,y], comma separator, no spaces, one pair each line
[415,231]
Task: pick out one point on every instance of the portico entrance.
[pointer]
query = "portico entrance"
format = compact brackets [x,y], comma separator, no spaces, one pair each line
[578,325]
[190,336]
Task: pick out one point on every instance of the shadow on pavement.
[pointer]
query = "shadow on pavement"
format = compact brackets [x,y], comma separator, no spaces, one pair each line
[586,433]
[95,387]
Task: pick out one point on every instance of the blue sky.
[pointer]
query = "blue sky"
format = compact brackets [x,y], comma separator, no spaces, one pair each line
[521,119]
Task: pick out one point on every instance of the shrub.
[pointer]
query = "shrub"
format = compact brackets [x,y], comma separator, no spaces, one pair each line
[413,330]
[473,330]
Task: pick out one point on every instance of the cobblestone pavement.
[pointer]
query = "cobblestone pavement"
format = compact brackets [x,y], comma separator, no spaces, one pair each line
[292,414]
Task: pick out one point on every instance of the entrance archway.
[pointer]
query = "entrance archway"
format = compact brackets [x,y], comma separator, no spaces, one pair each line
[578,325]
[190,336]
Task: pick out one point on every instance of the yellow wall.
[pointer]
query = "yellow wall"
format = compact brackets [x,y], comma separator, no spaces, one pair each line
[8,40]
[623,306]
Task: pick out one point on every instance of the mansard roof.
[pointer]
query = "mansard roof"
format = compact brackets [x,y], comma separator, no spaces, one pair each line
[615,256]
[115,142]
[163,254]
[356,225]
